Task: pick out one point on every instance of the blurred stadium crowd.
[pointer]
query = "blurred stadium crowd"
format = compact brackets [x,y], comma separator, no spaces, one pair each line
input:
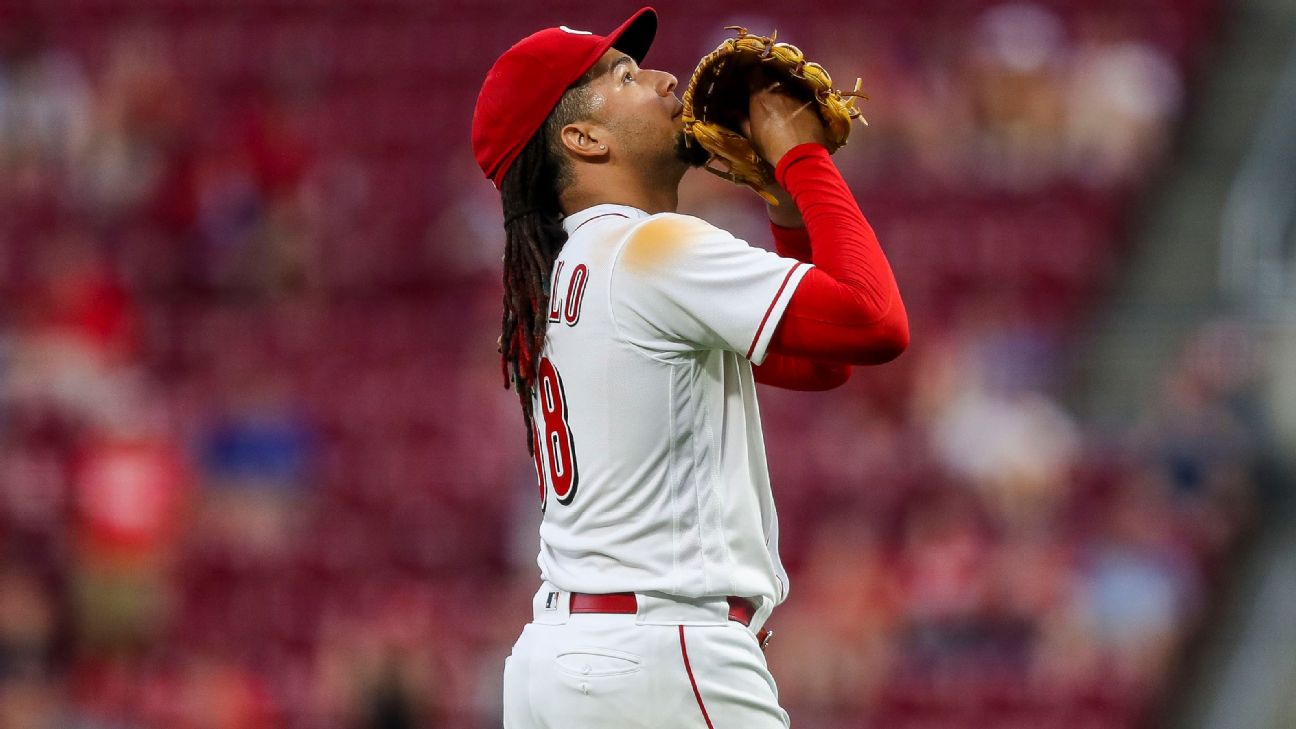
[257,470]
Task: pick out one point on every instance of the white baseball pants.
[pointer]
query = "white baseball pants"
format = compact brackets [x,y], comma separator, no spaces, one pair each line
[676,664]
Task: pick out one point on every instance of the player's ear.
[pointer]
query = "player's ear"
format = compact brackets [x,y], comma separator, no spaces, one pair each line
[584,141]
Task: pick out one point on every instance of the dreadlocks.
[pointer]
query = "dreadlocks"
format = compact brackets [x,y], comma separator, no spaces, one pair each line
[534,236]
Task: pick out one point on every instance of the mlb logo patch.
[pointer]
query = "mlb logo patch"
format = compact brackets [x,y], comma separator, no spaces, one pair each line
[551,601]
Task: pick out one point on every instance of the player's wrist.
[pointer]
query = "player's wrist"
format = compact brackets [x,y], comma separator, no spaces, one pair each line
[805,150]
[785,214]
[779,151]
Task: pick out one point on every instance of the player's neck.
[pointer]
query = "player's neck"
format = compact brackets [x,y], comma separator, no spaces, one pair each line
[651,199]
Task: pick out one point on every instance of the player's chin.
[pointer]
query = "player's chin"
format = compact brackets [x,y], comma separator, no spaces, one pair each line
[690,154]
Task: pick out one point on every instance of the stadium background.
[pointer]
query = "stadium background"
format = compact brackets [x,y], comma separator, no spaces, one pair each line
[257,468]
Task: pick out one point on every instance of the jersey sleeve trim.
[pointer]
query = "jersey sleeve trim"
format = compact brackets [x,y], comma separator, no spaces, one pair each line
[765,331]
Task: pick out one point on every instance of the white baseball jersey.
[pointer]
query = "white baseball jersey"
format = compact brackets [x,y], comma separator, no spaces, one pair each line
[648,438]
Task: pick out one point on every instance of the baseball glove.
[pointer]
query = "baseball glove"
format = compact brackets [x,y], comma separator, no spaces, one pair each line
[718,94]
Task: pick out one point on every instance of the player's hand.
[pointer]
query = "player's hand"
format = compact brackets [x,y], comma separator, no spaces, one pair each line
[778,121]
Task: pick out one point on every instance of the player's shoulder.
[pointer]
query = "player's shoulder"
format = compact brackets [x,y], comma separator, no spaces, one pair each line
[665,237]
[675,226]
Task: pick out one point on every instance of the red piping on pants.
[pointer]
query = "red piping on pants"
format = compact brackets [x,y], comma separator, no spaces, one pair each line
[696,694]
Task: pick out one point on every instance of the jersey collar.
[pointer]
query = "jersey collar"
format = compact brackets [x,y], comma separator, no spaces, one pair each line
[577,219]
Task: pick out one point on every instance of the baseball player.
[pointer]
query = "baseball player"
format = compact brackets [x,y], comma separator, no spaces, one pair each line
[634,337]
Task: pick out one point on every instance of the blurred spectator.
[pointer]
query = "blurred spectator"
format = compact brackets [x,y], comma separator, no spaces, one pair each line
[31,695]
[27,626]
[77,334]
[1013,443]
[944,559]
[1205,434]
[196,690]
[470,221]
[45,109]
[255,224]
[33,486]
[835,642]
[141,117]
[1140,584]
[131,490]
[255,453]
[1017,68]
[211,693]
[384,669]
[1123,94]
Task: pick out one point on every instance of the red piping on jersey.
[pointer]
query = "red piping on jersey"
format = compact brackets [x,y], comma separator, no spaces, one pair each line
[696,694]
[789,371]
[596,217]
[774,301]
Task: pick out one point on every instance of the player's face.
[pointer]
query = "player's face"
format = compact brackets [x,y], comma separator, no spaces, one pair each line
[639,108]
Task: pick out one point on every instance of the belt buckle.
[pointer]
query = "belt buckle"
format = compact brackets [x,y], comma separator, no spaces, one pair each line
[764,637]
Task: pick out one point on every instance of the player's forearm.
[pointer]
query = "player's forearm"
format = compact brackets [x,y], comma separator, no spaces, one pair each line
[784,215]
[799,373]
[824,323]
[848,308]
[844,244]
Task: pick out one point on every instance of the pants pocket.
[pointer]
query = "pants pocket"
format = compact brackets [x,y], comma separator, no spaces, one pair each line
[597,662]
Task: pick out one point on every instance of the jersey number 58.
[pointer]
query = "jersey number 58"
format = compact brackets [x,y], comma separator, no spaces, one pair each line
[554,446]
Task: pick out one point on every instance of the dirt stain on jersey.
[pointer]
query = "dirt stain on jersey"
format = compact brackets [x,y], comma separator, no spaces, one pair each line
[657,242]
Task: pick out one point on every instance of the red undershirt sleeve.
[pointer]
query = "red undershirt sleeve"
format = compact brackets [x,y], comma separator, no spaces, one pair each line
[791,242]
[848,308]
[798,373]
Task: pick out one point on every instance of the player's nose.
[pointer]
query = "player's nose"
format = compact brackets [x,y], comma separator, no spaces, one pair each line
[666,83]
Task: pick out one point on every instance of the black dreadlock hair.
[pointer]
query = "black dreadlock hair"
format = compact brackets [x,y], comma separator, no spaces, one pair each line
[534,236]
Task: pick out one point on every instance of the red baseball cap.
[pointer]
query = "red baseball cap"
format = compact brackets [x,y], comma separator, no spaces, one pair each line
[526,83]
